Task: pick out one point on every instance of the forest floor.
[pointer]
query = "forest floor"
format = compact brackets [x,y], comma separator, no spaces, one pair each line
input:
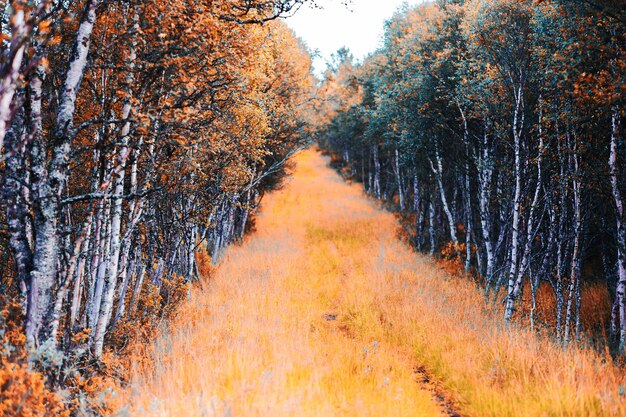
[323,311]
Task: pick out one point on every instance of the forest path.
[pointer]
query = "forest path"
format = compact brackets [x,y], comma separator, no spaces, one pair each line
[300,319]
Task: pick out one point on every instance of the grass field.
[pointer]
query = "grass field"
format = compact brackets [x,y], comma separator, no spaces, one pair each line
[324,312]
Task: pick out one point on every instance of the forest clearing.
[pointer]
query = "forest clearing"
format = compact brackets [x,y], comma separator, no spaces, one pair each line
[324,312]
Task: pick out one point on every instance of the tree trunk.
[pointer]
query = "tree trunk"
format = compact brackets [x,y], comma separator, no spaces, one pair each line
[517,132]
[11,72]
[467,193]
[116,222]
[530,224]
[49,188]
[437,169]
[620,224]
[15,190]
[78,284]
[484,185]
[398,178]
[137,290]
[431,226]
[377,189]
[576,256]
[419,214]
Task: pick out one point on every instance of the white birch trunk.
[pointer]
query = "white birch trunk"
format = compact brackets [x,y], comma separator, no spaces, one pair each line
[517,131]
[398,178]
[419,213]
[377,190]
[11,72]
[530,227]
[484,185]
[78,284]
[467,194]
[116,222]
[65,282]
[15,192]
[50,188]
[431,226]
[137,290]
[437,169]
[620,223]
[575,262]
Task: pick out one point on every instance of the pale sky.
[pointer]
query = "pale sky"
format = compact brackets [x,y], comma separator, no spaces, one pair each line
[359,26]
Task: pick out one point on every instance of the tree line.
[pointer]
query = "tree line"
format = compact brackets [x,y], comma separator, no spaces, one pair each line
[498,124]
[132,134]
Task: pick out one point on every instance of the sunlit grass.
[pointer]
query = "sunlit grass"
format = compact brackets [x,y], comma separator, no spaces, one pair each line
[323,312]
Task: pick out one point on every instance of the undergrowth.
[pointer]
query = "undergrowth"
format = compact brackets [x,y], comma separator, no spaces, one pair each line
[51,382]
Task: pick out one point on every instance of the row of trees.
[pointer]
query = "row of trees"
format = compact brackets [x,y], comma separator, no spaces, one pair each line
[131,134]
[498,124]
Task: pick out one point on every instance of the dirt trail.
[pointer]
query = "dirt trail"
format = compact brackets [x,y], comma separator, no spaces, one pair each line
[299,320]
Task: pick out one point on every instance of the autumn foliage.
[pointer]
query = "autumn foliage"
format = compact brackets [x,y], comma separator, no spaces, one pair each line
[136,140]
[494,128]
[23,390]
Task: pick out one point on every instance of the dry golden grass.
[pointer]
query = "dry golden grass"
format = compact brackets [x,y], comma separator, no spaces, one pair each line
[323,312]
